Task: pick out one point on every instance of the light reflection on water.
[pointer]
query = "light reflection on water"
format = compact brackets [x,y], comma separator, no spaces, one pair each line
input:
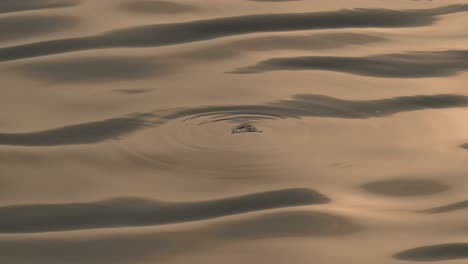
[216,131]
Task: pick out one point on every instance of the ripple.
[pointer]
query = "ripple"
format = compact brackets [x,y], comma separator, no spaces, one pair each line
[440,252]
[158,7]
[186,32]
[289,224]
[270,1]
[404,65]
[123,212]
[93,69]
[314,105]
[157,246]
[84,133]
[405,187]
[209,127]
[209,142]
[21,27]
[120,68]
[245,128]
[301,42]
[7,6]
[448,208]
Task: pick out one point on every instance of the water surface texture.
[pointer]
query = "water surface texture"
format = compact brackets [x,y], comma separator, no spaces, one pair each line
[233,131]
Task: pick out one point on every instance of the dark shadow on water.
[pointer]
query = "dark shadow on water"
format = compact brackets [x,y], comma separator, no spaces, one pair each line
[85,133]
[162,245]
[404,65]
[186,32]
[311,105]
[94,69]
[132,91]
[405,187]
[442,252]
[123,212]
[273,226]
[304,42]
[271,1]
[20,27]
[119,68]
[7,6]
[157,7]
[300,106]
[448,208]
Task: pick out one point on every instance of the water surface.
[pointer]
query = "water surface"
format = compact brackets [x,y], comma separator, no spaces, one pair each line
[256,131]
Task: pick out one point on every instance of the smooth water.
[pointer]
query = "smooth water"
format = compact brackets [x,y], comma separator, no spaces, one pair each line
[233,131]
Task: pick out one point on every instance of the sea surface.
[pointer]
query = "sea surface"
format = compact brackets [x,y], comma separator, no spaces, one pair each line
[233,131]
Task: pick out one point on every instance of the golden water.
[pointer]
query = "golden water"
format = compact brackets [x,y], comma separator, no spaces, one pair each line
[233,131]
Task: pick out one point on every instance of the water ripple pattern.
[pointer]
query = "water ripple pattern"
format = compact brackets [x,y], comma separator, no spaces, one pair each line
[233,131]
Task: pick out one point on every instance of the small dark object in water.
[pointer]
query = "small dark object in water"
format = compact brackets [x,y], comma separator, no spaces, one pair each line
[244,128]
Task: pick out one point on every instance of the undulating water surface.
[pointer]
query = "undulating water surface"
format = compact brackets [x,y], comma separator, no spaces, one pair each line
[233,131]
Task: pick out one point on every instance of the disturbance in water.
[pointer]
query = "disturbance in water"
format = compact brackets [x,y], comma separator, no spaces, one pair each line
[245,128]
